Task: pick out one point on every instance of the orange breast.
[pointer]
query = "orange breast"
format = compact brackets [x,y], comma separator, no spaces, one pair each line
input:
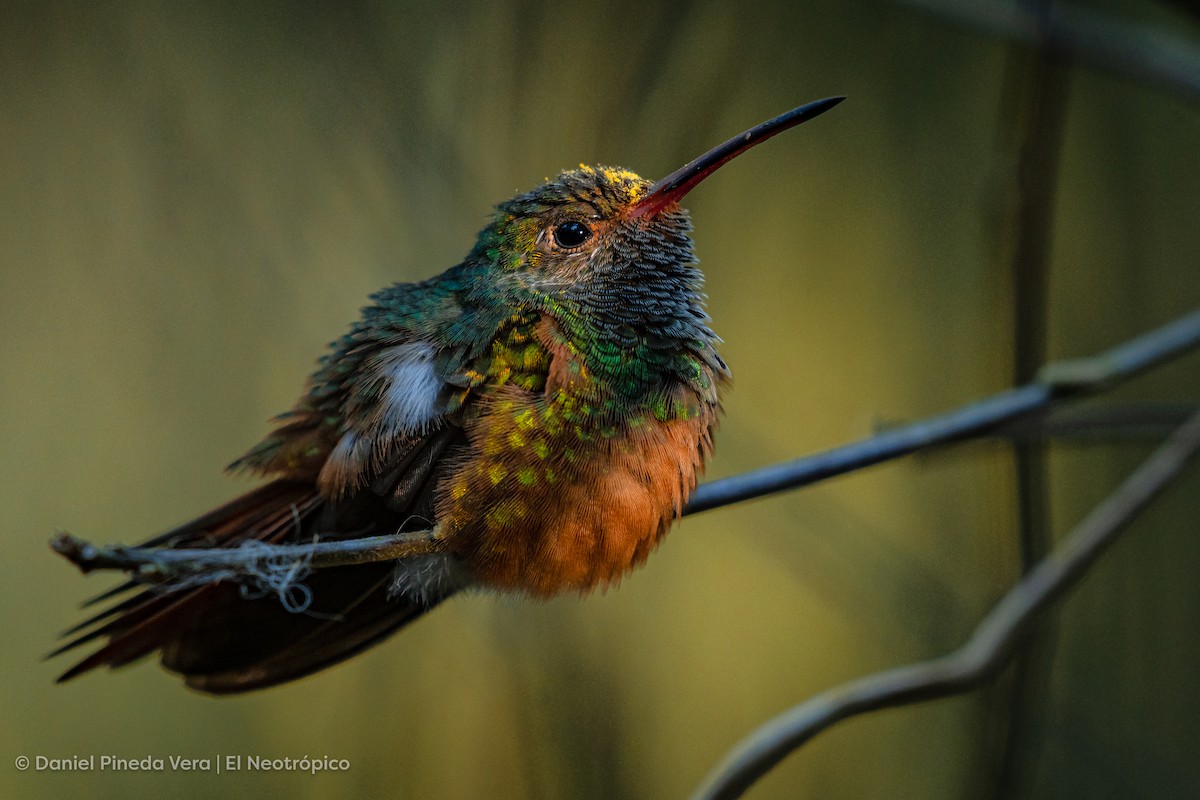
[554,499]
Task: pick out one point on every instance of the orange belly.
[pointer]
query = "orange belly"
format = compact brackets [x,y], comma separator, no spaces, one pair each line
[551,500]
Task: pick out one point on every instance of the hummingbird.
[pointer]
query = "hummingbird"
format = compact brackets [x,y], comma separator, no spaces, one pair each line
[545,407]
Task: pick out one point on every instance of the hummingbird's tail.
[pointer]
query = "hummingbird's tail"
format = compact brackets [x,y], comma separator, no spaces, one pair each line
[223,641]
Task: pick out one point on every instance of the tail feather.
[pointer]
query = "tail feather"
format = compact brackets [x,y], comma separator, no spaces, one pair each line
[126,608]
[140,636]
[222,641]
[107,594]
[208,530]
[355,612]
[294,663]
[238,515]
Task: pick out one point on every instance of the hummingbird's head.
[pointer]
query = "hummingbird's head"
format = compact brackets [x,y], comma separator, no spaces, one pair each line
[580,234]
[608,255]
[608,236]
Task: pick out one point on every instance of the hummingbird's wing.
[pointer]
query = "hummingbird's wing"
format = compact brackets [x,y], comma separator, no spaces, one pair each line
[238,645]
[360,455]
[222,640]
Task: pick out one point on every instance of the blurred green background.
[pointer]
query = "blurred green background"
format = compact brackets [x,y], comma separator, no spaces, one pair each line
[198,197]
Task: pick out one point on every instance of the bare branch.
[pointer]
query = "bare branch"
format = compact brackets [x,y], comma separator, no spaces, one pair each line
[1092,37]
[983,655]
[204,565]
[1057,381]
[1109,422]
[1032,123]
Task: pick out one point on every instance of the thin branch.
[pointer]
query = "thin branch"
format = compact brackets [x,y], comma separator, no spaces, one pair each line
[166,565]
[1091,37]
[984,654]
[1057,381]
[1032,115]
[1110,422]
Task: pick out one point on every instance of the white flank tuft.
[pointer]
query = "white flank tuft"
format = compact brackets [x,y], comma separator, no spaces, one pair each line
[428,579]
[410,402]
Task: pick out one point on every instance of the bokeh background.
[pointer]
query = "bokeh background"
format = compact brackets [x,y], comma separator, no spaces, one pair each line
[196,198]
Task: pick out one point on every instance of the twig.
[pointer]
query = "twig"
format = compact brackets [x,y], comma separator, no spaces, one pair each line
[1057,381]
[165,565]
[1032,120]
[984,654]
[1109,422]
[1092,37]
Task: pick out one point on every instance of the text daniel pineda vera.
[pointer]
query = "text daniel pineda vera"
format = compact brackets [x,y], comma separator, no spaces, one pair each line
[225,763]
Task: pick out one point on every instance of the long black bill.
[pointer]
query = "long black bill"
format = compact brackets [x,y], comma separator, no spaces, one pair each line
[672,188]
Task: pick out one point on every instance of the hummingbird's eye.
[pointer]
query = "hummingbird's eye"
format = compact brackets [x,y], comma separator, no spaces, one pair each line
[571,234]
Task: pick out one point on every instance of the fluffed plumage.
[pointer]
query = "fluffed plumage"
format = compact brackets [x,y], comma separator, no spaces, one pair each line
[545,407]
